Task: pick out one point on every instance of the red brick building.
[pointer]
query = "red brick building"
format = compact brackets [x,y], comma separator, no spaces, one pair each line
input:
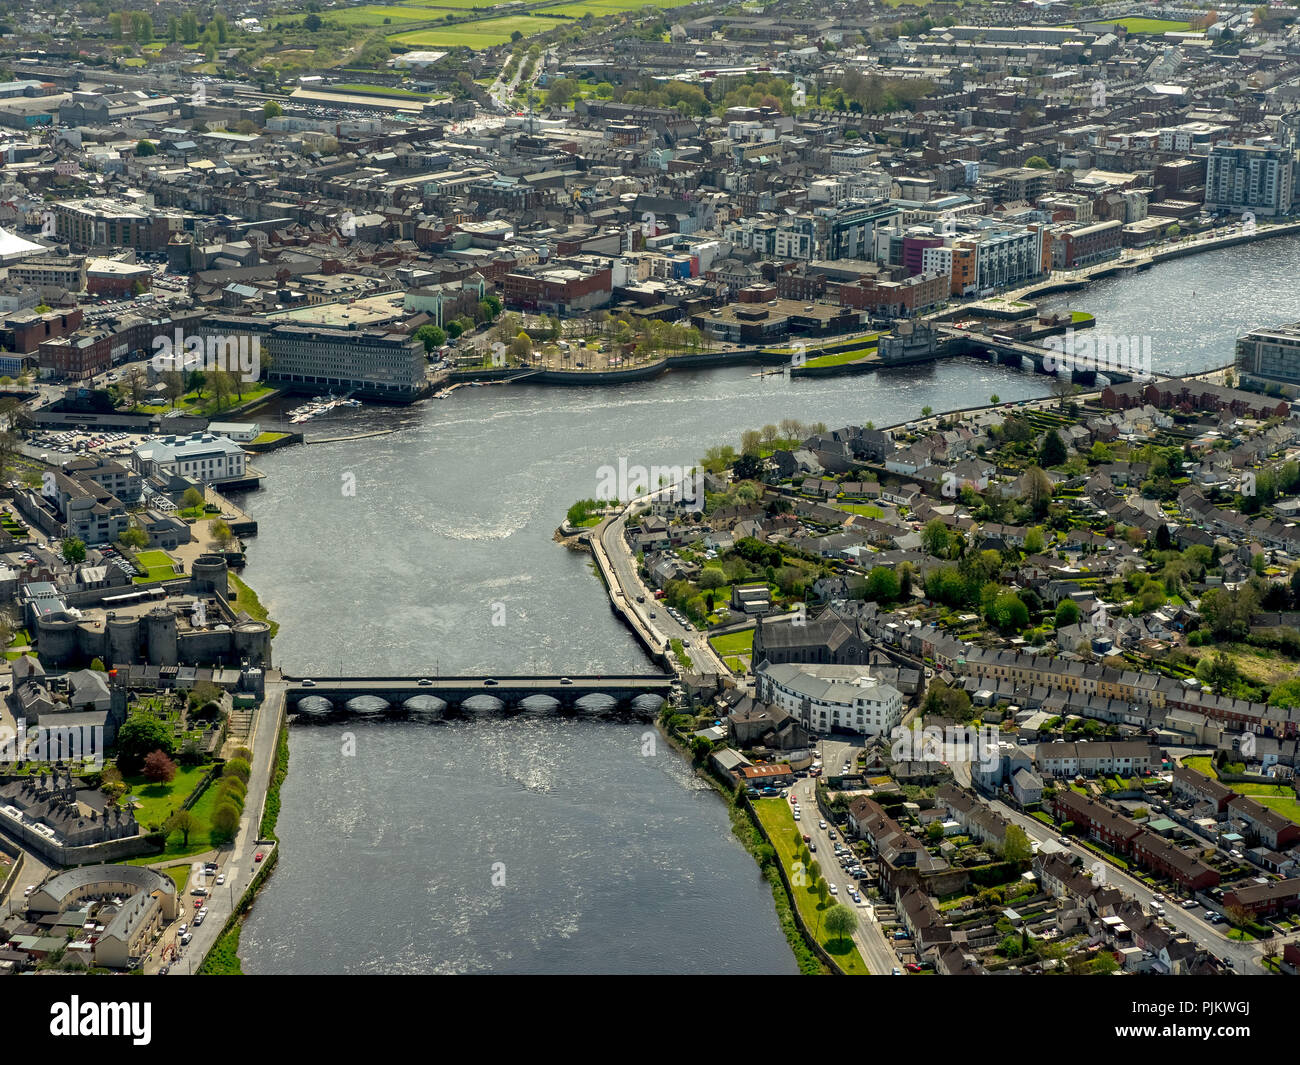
[24,332]
[1183,868]
[558,290]
[896,299]
[1277,896]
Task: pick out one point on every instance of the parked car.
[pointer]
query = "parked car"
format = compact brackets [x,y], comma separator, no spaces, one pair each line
[258,856]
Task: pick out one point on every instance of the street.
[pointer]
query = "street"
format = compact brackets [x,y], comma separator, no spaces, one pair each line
[624,566]
[876,949]
[1243,954]
[237,862]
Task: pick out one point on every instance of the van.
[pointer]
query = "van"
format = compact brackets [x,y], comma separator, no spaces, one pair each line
[185,939]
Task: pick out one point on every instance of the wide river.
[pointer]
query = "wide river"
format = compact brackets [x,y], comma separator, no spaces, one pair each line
[430,549]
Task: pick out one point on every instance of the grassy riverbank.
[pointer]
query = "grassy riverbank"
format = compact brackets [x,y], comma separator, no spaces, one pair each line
[246,600]
[271,811]
[745,830]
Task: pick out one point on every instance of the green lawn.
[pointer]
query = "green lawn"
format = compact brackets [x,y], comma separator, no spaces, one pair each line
[206,407]
[158,801]
[841,358]
[158,567]
[483,34]
[734,643]
[780,824]
[1152,25]
[180,875]
[865,510]
[200,839]
[1202,764]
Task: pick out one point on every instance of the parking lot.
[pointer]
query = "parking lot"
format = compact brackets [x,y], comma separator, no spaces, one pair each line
[72,443]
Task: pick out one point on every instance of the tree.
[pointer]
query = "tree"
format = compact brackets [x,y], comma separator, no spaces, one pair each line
[431,336]
[144,148]
[935,538]
[222,386]
[224,821]
[561,92]
[74,550]
[1067,613]
[1238,916]
[312,22]
[158,768]
[192,498]
[140,735]
[1053,452]
[271,109]
[882,585]
[1016,846]
[239,768]
[1038,489]
[1037,162]
[184,822]
[173,385]
[840,922]
[221,533]
[132,385]
[134,537]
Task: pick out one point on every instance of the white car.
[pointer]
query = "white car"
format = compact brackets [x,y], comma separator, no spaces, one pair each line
[834,890]
[221,879]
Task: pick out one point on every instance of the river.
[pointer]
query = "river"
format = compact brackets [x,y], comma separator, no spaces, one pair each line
[396,554]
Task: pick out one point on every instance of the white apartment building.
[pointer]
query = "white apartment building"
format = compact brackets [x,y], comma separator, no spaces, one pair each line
[826,697]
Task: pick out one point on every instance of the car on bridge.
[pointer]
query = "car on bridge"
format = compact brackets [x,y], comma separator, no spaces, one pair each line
[309,683]
[424,682]
[489,681]
[565,680]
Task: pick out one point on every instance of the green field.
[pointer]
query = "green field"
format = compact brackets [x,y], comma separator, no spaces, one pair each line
[158,801]
[371,15]
[1152,25]
[601,8]
[180,875]
[842,357]
[484,34]
[780,825]
[158,566]
[734,643]
[864,510]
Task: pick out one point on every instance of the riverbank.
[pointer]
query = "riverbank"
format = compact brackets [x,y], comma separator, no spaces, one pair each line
[1072,281]
[746,829]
